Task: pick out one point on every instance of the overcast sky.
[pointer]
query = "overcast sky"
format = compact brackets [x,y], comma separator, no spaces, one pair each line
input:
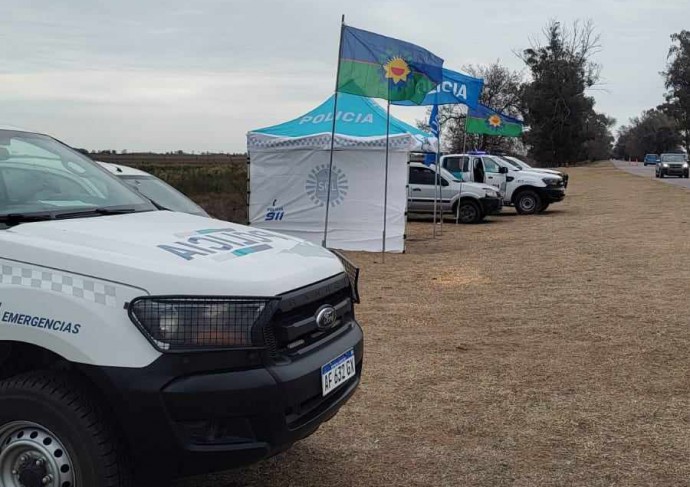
[197,75]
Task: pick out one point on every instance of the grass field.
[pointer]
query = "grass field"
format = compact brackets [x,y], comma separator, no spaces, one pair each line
[527,351]
[217,182]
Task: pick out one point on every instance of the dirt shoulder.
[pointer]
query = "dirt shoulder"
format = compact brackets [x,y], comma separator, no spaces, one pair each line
[546,350]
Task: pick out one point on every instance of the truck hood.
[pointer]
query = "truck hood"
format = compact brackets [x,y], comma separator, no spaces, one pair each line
[163,252]
[531,174]
[545,171]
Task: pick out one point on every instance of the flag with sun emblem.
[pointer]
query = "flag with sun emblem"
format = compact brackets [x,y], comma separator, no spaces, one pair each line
[376,66]
[484,120]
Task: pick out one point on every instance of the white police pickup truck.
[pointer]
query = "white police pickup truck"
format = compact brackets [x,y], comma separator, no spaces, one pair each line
[137,345]
[529,191]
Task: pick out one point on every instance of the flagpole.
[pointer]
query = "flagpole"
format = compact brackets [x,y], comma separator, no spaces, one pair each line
[464,137]
[335,112]
[385,179]
[433,233]
[464,148]
[438,172]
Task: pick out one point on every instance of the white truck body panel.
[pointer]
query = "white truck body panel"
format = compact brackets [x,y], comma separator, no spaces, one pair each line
[83,271]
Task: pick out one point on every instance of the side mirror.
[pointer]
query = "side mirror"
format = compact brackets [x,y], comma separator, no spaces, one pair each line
[502,170]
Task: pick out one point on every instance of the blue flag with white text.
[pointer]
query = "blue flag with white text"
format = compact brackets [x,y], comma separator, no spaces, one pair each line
[455,89]
[433,122]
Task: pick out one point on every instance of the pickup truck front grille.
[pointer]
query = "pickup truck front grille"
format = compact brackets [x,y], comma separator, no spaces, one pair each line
[293,329]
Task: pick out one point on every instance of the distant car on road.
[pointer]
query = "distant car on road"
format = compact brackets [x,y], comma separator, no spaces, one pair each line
[651,159]
[672,165]
[155,189]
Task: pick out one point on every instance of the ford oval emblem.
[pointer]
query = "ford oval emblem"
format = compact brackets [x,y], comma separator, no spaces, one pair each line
[326,317]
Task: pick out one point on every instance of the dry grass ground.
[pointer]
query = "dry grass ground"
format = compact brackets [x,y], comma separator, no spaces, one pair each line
[548,350]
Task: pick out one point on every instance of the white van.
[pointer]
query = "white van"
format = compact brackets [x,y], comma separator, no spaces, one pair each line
[530,192]
[149,344]
[468,202]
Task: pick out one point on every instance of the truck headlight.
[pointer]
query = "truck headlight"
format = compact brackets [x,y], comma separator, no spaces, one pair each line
[663,164]
[552,181]
[491,193]
[685,165]
[352,272]
[182,324]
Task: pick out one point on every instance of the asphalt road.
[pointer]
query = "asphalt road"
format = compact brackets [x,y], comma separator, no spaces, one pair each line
[639,169]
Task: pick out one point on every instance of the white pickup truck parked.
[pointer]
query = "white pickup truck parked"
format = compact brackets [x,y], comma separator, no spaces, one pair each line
[530,192]
[149,344]
[469,202]
[519,164]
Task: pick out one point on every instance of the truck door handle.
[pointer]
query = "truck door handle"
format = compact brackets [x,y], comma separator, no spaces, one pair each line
[416,189]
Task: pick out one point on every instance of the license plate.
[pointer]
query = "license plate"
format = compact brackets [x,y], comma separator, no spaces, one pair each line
[337,372]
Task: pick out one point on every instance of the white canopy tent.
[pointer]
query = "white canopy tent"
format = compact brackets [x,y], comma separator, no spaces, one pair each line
[289,173]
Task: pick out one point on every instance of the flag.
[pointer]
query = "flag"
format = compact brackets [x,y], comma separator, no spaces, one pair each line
[484,120]
[455,89]
[434,125]
[376,66]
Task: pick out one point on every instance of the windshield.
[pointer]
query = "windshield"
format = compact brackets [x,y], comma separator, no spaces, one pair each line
[512,163]
[163,194]
[41,176]
[672,157]
[520,163]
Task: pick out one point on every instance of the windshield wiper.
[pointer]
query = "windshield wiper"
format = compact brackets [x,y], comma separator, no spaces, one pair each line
[95,212]
[17,218]
[157,205]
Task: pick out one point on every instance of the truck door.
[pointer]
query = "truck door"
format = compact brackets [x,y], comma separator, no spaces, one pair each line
[476,170]
[421,189]
[492,174]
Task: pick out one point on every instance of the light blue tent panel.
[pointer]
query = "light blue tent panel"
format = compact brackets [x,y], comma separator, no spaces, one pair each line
[356,117]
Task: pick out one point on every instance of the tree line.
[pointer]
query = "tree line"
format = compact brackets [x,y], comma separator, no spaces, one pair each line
[665,128]
[552,96]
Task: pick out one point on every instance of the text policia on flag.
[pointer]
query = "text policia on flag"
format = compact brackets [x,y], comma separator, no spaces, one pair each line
[484,120]
[455,89]
[376,66]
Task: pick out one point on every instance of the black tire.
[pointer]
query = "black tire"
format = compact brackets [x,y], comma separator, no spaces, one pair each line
[661,174]
[81,448]
[528,202]
[544,207]
[469,212]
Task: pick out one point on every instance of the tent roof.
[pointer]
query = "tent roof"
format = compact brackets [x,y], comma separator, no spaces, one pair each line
[357,116]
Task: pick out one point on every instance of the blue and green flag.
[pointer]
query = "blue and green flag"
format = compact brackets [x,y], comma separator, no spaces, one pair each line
[376,66]
[484,120]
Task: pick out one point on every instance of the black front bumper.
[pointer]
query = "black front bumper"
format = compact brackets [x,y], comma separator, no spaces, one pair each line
[491,206]
[673,171]
[552,195]
[198,413]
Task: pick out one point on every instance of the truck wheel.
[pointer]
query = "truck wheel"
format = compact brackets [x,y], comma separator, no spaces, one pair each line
[52,433]
[527,202]
[470,212]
